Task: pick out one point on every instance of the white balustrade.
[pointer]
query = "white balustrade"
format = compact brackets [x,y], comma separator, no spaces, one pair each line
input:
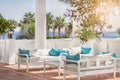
[9,48]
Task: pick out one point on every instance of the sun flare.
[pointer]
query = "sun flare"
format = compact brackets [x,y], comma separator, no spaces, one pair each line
[110,13]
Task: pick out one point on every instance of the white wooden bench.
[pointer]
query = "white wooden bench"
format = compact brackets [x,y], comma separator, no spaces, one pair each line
[90,67]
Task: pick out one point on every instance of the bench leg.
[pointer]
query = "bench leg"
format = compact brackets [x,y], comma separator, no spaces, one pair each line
[78,76]
[59,70]
[44,66]
[64,75]
[114,71]
[27,65]
[19,62]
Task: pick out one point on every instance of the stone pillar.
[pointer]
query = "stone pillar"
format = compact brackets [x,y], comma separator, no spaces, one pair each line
[40,24]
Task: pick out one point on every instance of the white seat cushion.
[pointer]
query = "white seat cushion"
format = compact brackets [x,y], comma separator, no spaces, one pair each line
[42,52]
[31,59]
[108,55]
[75,50]
[49,58]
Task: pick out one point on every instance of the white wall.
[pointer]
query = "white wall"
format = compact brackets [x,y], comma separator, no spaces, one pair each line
[27,44]
[114,46]
[2,50]
[110,45]
[59,43]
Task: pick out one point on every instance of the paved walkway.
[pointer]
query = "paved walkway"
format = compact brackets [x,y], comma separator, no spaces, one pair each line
[10,72]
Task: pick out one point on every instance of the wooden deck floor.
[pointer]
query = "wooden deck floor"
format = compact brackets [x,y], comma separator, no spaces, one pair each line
[10,72]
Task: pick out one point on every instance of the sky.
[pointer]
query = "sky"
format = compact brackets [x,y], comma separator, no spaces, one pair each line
[15,9]
[115,21]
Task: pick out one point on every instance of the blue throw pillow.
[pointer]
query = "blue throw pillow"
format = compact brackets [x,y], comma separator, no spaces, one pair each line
[54,52]
[21,51]
[63,51]
[105,52]
[85,50]
[115,55]
[64,54]
[100,53]
[74,57]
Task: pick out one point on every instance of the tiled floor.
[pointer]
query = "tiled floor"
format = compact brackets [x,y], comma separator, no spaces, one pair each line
[10,72]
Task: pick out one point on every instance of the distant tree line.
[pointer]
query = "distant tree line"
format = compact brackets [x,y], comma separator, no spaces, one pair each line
[27,26]
[57,23]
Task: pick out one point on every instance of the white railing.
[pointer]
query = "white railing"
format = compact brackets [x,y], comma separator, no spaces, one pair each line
[111,45]
[59,43]
[28,44]
[114,46]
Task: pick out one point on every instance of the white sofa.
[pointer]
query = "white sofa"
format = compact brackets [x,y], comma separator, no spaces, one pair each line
[38,56]
[51,60]
[26,60]
[90,66]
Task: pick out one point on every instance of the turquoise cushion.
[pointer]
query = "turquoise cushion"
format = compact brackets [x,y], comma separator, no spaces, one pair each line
[63,51]
[21,51]
[115,55]
[74,57]
[64,54]
[85,50]
[54,52]
[100,53]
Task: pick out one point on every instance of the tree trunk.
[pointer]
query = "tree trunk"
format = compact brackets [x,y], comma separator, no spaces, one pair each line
[65,31]
[0,36]
[47,31]
[3,36]
[59,32]
[53,32]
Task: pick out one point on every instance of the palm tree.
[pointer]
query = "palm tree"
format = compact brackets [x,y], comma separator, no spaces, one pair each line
[22,24]
[49,21]
[12,24]
[1,16]
[68,29]
[118,31]
[60,24]
[3,26]
[27,26]
[54,26]
[6,25]
[31,31]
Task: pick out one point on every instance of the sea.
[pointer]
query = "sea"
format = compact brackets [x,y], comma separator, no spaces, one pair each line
[109,34]
[17,33]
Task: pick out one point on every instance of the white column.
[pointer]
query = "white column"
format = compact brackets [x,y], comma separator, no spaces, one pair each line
[40,24]
[10,54]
